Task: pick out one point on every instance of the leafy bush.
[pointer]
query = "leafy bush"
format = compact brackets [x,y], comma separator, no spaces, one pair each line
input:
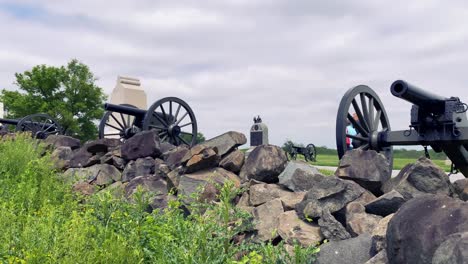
[42,221]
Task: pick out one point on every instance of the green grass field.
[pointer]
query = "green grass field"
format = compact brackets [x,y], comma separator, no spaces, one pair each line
[398,163]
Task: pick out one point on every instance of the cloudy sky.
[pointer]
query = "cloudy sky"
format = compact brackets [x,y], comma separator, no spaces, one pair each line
[288,61]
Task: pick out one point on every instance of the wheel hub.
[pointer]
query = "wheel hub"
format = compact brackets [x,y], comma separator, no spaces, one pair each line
[174,130]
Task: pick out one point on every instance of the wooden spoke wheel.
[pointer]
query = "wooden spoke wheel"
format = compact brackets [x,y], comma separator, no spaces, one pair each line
[174,120]
[118,125]
[40,126]
[362,111]
[312,152]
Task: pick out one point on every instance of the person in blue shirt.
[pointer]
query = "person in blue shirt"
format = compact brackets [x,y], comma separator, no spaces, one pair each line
[350,130]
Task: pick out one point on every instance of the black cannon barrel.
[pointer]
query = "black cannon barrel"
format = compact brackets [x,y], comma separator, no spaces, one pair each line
[125,110]
[9,121]
[417,96]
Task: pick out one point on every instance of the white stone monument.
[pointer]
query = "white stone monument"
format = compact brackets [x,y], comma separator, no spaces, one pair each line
[2,113]
[129,91]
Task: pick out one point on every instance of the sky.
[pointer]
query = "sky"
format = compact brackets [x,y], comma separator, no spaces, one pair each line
[288,61]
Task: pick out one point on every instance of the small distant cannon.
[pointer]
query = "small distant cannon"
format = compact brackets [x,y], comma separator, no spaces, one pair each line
[40,125]
[436,121]
[171,117]
[309,152]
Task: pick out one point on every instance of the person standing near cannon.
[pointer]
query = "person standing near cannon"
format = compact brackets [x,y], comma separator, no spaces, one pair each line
[350,130]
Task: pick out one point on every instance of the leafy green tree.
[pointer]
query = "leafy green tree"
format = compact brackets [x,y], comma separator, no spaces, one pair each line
[67,93]
[200,137]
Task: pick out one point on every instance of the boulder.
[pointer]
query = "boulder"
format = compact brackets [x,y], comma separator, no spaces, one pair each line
[203,183]
[421,225]
[101,145]
[141,145]
[61,157]
[356,250]
[422,177]
[73,175]
[298,176]
[173,178]
[62,141]
[369,169]
[161,169]
[84,188]
[173,158]
[263,192]
[95,159]
[386,204]
[140,167]
[331,229]
[233,161]
[358,221]
[380,258]
[205,159]
[264,164]
[266,218]
[379,234]
[117,189]
[453,250]
[226,142]
[80,158]
[156,186]
[291,228]
[461,188]
[328,193]
[106,174]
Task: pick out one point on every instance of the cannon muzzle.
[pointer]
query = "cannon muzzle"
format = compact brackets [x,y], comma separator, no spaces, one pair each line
[429,102]
[128,110]
[9,121]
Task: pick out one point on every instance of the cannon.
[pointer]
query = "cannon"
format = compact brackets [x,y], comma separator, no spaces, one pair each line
[40,125]
[436,121]
[171,117]
[309,152]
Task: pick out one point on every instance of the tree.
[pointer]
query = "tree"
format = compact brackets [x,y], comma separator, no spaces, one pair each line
[66,93]
[200,138]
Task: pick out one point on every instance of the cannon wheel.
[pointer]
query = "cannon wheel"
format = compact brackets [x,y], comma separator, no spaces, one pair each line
[312,152]
[372,119]
[174,120]
[123,125]
[40,126]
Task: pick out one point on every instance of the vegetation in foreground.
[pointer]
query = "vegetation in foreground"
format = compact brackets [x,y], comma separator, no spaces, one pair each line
[42,221]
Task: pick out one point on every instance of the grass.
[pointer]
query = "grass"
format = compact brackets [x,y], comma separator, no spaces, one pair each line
[42,221]
[398,163]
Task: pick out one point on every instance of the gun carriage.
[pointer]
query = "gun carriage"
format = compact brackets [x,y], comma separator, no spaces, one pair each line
[172,117]
[309,152]
[436,121]
[40,125]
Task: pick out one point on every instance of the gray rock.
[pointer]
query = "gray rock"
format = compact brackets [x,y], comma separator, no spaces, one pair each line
[356,250]
[173,158]
[369,169]
[117,189]
[291,228]
[380,258]
[101,145]
[203,183]
[61,157]
[358,221]
[298,176]
[264,164]
[421,225]
[379,234]
[386,204]
[80,158]
[266,218]
[233,161]
[226,142]
[152,184]
[106,174]
[420,178]
[140,167]
[461,188]
[329,193]
[205,159]
[454,250]
[263,192]
[331,229]
[173,178]
[73,175]
[62,141]
[141,145]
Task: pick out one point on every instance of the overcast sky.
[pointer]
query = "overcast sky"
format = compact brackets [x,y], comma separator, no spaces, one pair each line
[288,61]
